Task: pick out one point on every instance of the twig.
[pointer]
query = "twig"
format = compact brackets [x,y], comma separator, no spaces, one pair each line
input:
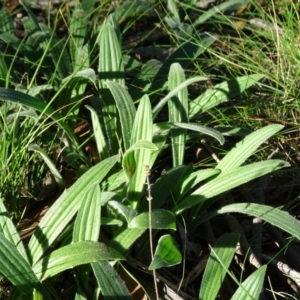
[149,198]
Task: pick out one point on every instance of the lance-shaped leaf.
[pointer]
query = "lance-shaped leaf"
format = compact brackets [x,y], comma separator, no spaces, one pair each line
[238,155]
[65,207]
[142,130]
[252,286]
[274,216]
[229,181]
[74,255]
[8,229]
[110,69]
[111,284]
[217,266]
[16,269]
[125,108]
[205,130]
[178,112]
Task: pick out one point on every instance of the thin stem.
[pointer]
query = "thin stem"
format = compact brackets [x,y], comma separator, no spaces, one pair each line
[149,198]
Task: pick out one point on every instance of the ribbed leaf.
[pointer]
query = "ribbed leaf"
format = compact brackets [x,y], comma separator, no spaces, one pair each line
[160,219]
[8,229]
[78,31]
[65,207]
[222,92]
[57,176]
[121,211]
[88,220]
[98,134]
[142,130]
[125,108]
[251,288]
[110,69]
[16,269]
[124,238]
[217,266]
[110,283]
[238,155]
[6,21]
[176,90]
[73,255]
[274,216]
[229,181]
[178,112]
[205,130]
[166,253]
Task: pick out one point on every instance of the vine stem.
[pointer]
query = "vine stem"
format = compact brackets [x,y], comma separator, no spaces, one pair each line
[149,198]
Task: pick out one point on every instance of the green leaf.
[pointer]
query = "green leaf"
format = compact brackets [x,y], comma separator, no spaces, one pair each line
[16,269]
[229,181]
[58,178]
[88,220]
[274,216]
[121,211]
[8,229]
[185,186]
[124,238]
[222,92]
[126,110]
[78,31]
[129,162]
[231,5]
[205,130]
[166,253]
[178,112]
[23,99]
[160,219]
[110,283]
[238,155]
[73,255]
[176,90]
[251,288]
[110,69]
[142,130]
[65,207]
[217,266]
[98,134]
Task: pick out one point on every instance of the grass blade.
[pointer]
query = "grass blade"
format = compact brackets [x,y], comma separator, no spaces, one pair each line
[58,178]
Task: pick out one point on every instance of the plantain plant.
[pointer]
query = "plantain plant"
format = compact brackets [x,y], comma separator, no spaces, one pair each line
[133,128]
